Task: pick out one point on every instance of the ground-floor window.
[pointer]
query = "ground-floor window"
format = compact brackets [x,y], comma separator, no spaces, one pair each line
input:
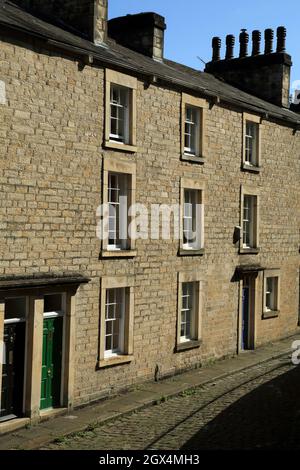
[189,308]
[271,292]
[116,320]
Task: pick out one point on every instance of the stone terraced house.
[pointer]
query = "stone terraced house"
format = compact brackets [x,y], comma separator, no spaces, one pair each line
[92,112]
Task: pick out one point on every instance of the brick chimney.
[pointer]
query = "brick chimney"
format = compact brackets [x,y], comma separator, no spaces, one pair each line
[265,75]
[142,33]
[87,18]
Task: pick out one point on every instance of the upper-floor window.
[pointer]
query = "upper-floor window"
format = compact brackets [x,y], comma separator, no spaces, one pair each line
[120,111]
[117,227]
[252,139]
[118,184]
[192,130]
[251,144]
[119,114]
[250,222]
[192,220]
[192,217]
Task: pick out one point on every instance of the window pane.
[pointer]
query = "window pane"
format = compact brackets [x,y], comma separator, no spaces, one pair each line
[191,130]
[271,293]
[187,310]
[191,227]
[248,221]
[117,210]
[251,143]
[119,113]
[52,303]
[114,320]
[15,308]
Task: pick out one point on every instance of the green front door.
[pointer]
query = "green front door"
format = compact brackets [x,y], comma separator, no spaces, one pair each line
[52,361]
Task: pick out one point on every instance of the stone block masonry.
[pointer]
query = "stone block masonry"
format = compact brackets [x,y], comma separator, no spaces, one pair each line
[51,157]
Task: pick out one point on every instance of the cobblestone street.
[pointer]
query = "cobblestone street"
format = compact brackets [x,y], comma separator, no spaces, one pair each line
[256,408]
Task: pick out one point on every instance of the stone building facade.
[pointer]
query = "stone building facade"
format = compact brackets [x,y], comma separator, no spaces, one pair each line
[58,162]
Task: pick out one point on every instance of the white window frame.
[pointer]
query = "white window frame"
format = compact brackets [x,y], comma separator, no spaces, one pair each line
[200,106]
[190,295]
[254,163]
[127,170]
[273,274]
[253,196]
[122,293]
[124,354]
[195,278]
[128,85]
[116,209]
[193,187]
[121,105]
[192,130]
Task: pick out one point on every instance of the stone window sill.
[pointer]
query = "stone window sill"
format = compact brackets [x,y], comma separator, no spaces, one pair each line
[194,344]
[192,158]
[249,251]
[183,252]
[113,254]
[271,314]
[114,361]
[120,146]
[251,168]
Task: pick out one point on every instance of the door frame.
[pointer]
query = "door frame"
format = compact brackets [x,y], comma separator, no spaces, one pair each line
[252,278]
[20,412]
[51,317]
[61,314]
[14,321]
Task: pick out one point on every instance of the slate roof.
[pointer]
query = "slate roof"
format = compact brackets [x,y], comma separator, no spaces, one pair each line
[115,55]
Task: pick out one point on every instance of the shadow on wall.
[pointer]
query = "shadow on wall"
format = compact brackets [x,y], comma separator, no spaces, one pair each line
[266,418]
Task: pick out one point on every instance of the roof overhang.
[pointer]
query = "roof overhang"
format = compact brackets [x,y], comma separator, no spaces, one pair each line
[40,284]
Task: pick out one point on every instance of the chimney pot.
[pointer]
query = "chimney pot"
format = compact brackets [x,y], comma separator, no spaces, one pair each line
[244,40]
[269,37]
[281,39]
[256,40]
[230,41]
[216,46]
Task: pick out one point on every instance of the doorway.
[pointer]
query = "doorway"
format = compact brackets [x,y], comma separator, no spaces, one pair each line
[12,389]
[52,352]
[247,324]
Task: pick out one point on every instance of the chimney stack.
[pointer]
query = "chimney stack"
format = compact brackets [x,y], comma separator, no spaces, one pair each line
[266,75]
[143,32]
[86,18]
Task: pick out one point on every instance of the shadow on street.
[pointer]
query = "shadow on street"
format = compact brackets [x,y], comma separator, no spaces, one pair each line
[266,418]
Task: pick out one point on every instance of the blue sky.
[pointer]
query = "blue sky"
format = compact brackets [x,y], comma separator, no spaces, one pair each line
[191,24]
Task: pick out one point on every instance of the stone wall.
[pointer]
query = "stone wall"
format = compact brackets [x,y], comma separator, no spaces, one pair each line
[51,135]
